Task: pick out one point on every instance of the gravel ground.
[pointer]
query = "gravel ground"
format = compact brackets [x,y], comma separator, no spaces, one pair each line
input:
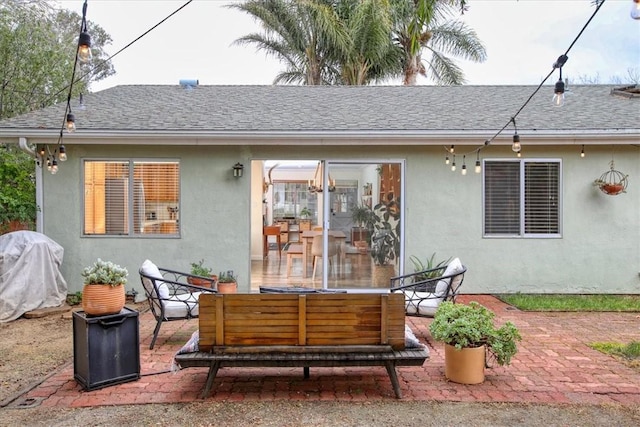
[31,349]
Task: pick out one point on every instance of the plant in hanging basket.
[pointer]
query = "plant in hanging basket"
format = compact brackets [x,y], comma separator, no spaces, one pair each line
[612,182]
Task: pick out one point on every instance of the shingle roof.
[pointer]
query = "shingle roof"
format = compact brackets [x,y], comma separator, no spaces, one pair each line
[355,110]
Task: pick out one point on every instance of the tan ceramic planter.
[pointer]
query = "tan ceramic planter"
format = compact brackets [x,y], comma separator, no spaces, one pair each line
[100,300]
[464,366]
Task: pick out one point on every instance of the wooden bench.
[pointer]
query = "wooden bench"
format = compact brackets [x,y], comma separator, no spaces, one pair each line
[302,330]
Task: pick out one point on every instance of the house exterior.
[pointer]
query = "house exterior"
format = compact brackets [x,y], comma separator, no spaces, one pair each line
[532,224]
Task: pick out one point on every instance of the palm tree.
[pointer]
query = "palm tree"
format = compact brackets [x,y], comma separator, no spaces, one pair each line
[371,54]
[424,25]
[302,34]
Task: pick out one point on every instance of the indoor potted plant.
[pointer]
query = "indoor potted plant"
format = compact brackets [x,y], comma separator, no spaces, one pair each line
[227,282]
[104,288]
[362,216]
[469,334]
[385,243]
[198,269]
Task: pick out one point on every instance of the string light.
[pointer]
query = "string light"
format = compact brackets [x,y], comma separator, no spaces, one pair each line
[559,89]
[582,152]
[464,165]
[452,149]
[453,165]
[446,160]
[635,9]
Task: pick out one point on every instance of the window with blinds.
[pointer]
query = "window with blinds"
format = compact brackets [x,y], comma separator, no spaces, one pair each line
[522,198]
[128,198]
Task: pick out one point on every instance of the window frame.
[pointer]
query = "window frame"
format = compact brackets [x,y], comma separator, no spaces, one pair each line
[522,234]
[131,161]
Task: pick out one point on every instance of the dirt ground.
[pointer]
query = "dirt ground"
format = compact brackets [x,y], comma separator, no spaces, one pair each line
[31,349]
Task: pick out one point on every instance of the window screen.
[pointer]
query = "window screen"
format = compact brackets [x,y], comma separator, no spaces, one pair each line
[124,198]
[521,198]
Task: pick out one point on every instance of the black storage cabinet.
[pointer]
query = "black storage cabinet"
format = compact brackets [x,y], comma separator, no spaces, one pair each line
[106,349]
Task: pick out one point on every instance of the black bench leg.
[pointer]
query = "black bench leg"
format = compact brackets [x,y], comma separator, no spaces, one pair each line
[213,371]
[306,372]
[391,370]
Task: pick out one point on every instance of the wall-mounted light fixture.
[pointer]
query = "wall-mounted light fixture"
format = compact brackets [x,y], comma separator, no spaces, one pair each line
[238,170]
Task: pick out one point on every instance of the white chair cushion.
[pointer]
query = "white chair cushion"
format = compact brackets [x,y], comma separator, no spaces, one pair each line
[151,270]
[175,307]
[421,303]
[455,266]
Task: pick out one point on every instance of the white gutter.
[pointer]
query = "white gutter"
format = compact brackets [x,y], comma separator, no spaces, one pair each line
[22,143]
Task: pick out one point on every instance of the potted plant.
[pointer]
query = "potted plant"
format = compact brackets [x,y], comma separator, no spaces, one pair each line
[227,282]
[385,243]
[428,264]
[104,288]
[361,215]
[469,334]
[203,273]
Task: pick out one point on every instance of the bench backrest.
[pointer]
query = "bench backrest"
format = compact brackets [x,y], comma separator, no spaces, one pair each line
[332,320]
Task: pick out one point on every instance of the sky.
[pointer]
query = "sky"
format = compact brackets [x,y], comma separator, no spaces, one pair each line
[523,39]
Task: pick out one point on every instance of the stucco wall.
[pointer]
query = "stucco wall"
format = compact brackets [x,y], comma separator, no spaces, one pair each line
[599,250]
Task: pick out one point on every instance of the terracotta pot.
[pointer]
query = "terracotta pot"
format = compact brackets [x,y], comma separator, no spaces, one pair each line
[464,366]
[100,300]
[202,282]
[612,189]
[227,287]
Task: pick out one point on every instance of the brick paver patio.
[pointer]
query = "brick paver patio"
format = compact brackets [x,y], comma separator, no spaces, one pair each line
[553,365]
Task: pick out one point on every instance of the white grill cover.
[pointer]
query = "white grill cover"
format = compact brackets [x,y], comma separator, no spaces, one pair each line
[30,275]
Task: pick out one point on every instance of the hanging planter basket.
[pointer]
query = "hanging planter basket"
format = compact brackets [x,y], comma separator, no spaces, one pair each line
[612,182]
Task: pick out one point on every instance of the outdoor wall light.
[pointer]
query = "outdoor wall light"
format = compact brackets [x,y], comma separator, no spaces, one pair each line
[238,170]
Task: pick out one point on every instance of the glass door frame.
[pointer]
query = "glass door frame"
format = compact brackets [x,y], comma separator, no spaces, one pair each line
[326,211]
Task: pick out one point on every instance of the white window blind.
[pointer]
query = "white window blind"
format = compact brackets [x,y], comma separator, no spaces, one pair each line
[124,198]
[521,198]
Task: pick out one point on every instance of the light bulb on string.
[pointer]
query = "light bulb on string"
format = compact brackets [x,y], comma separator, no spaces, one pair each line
[464,165]
[70,124]
[54,166]
[446,160]
[582,152]
[558,93]
[478,166]
[516,147]
[635,9]
[453,164]
[63,154]
[452,149]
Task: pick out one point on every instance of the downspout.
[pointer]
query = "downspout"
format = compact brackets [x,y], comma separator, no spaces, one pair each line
[24,146]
